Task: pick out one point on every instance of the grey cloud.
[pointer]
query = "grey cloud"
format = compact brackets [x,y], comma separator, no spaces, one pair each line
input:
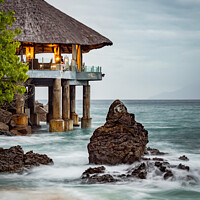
[156,45]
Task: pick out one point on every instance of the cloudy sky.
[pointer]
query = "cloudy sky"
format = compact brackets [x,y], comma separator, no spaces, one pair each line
[156,51]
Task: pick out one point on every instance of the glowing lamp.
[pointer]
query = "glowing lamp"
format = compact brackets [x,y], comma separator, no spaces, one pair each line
[57,59]
[57,54]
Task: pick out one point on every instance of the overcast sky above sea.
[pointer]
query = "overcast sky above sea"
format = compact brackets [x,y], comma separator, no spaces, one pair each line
[156,51]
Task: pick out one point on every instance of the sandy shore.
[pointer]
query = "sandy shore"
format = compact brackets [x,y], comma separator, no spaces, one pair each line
[39,194]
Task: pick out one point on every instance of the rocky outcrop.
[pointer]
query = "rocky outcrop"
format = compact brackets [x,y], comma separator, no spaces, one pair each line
[121,140]
[158,168]
[183,158]
[95,170]
[4,130]
[154,152]
[14,160]
[42,111]
[16,124]
[91,176]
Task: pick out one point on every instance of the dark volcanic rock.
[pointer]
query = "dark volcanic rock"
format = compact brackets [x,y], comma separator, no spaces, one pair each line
[183,167]
[94,179]
[11,160]
[106,178]
[168,174]
[95,170]
[34,159]
[92,176]
[14,160]
[183,158]
[22,130]
[121,140]
[155,152]
[158,159]
[140,172]
[7,133]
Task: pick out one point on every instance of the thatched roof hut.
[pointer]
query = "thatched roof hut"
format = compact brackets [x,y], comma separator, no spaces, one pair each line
[43,25]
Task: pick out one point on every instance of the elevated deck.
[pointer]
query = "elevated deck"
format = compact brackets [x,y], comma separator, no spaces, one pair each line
[45,77]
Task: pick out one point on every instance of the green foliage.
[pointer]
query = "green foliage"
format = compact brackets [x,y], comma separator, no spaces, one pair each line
[12,71]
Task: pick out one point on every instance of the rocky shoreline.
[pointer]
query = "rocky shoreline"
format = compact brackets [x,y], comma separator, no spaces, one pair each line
[14,160]
[12,124]
[122,140]
[146,167]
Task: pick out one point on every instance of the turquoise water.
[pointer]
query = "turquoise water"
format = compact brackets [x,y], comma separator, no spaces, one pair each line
[174,127]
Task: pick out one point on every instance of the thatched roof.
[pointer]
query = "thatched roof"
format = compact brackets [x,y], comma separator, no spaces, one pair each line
[43,24]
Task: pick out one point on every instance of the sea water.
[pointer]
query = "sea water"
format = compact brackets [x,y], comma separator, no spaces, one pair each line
[173,126]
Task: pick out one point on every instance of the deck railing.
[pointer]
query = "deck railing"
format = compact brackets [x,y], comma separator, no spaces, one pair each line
[91,69]
[63,67]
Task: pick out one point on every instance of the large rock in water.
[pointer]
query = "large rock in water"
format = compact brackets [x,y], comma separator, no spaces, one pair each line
[121,140]
[14,160]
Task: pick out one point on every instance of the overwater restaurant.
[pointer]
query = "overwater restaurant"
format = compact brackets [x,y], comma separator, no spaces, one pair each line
[47,30]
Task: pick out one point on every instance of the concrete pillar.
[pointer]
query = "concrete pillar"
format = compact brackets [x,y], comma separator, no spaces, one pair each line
[56,124]
[50,104]
[31,105]
[86,121]
[68,123]
[73,114]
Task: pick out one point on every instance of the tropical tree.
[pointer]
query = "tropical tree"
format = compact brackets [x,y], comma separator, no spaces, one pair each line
[12,71]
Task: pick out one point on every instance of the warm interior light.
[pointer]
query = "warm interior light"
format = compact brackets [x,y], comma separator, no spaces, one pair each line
[53,67]
[57,54]
[29,53]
